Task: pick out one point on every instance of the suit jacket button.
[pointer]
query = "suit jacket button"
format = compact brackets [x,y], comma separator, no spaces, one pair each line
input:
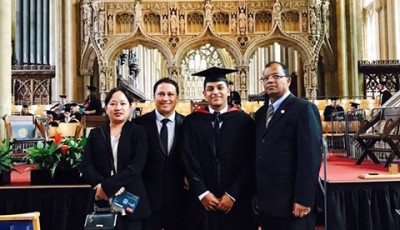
[263,140]
[260,156]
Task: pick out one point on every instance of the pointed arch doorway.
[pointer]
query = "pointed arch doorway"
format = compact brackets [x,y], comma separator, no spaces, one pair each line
[199,59]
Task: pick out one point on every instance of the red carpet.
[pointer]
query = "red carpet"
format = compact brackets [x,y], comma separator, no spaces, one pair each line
[344,170]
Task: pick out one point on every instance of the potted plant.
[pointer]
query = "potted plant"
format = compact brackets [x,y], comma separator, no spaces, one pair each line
[57,160]
[5,162]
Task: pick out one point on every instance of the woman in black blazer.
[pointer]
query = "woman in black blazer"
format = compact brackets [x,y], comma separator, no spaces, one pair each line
[122,145]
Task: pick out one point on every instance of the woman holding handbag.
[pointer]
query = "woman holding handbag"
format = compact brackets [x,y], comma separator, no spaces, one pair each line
[114,158]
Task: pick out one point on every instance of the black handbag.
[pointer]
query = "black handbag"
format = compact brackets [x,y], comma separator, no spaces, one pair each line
[101,218]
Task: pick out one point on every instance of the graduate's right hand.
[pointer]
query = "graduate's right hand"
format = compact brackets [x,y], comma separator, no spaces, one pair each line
[210,202]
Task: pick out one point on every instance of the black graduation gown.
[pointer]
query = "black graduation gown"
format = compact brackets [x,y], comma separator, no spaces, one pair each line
[229,169]
[385,95]
[234,96]
[95,105]
[329,109]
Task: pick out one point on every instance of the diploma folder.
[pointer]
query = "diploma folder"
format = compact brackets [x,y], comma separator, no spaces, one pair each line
[127,201]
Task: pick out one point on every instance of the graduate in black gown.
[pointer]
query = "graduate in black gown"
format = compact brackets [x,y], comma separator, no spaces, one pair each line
[93,104]
[385,94]
[333,108]
[234,96]
[218,155]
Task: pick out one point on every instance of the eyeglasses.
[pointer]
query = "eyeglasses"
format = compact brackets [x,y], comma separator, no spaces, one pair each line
[273,76]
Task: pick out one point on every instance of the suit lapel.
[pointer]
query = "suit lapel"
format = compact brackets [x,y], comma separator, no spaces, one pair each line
[279,113]
[123,141]
[178,122]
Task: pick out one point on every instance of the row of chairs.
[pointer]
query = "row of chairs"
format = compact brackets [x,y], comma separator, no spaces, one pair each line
[26,131]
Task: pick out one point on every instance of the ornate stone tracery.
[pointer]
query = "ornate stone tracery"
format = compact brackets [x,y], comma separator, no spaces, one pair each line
[174,28]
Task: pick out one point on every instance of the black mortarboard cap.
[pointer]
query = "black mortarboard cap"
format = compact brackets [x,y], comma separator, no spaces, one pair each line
[214,74]
[334,98]
[382,82]
[73,104]
[63,96]
[91,88]
[24,106]
[354,104]
[49,112]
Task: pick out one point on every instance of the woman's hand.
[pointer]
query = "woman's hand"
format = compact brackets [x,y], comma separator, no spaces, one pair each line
[100,194]
[120,191]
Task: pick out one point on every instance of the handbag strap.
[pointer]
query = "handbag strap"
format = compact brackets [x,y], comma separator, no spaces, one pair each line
[110,156]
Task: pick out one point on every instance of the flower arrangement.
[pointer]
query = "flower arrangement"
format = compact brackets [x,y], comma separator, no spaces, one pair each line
[5,156]
[57,154]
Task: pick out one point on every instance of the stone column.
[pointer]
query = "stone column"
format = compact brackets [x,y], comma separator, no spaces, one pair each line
[5,64]
[73,83]
[393,29]
[241,81]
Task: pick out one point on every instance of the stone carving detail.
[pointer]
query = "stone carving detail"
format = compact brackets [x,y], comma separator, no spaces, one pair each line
[251,23]
[174,73]
[276,10]
[241,80]
[174,22]
[207,8]
[233,23]
[138,14]
[304,23]
[109,25]
[182,23]
[165,24]
[242,21]
[87,22]
[101,22]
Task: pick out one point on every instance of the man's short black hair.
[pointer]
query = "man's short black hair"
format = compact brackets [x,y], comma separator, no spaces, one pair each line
[284,67]
[168,81]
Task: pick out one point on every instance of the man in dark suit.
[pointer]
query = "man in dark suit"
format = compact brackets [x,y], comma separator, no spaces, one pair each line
[288,154]
[163,173]
[384,92]
[333,112]
[234,98]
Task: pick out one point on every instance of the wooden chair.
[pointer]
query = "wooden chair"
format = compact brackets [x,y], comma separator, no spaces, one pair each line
[91,121]
[70,129]
[20,221]
[384,126]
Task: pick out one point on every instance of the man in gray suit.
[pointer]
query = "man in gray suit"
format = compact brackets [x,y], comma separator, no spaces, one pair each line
[288,154]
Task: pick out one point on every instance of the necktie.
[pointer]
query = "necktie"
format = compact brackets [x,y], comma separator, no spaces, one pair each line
[270,113]
[216,121]
[164,134]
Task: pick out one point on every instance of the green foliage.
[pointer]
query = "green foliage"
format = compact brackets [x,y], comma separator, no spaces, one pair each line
[67,154]
[5,156]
